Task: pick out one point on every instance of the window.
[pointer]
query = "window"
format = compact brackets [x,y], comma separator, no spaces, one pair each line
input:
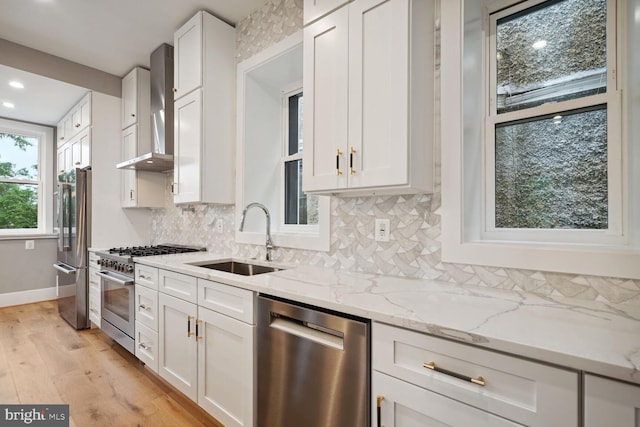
[552,126]
[269,151]
[299,208]
[24,207]
[540,159]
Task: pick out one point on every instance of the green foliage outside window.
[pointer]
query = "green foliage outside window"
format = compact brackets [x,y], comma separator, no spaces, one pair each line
[18,202]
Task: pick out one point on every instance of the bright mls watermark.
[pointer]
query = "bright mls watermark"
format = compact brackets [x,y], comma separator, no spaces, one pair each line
[35,415]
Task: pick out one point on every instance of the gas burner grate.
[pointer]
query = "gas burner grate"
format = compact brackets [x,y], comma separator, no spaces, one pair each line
[134,251]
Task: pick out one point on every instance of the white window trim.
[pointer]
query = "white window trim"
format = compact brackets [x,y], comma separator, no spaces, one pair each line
[602,260]
[44,134]
[612,98]
[291,238]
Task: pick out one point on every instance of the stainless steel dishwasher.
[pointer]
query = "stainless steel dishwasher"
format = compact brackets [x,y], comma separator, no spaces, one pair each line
[313,367]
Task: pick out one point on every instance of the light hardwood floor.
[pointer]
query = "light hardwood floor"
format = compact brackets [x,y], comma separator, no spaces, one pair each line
[43,360]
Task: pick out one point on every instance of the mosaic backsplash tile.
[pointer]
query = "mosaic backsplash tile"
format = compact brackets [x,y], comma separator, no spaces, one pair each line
[414,248]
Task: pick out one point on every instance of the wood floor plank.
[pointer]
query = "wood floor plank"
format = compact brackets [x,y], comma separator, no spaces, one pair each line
[44,360]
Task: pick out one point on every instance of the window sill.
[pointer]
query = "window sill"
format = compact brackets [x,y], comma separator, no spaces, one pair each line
[25,236]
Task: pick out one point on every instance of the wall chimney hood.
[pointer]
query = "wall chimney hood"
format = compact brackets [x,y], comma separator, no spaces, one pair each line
[159,157]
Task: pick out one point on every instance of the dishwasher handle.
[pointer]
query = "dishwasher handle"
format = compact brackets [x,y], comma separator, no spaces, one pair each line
[306,331]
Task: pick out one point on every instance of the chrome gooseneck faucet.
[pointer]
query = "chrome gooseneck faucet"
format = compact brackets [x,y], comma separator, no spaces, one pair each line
[269,243]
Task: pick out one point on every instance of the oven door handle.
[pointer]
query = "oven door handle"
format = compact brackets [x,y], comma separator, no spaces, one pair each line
[117,278]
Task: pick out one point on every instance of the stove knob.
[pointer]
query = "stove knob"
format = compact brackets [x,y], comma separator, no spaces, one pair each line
[111,263]
[120,267]
[129,268]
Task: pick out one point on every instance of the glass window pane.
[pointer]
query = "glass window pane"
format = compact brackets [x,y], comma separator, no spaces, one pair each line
[295,124]
[300,208]
[554,51]
[18,156]
[18,205]
[551,172]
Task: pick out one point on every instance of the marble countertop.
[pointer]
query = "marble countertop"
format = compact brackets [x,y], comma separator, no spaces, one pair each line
[599,338]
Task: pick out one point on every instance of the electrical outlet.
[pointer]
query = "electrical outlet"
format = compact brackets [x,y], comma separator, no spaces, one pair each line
[220,225]
[382,231]
[29,245]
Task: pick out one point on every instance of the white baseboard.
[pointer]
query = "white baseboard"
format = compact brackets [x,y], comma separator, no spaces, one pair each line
[35,295]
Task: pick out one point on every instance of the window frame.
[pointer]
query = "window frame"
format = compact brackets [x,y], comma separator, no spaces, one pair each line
[44,135]
[612,99]
[318,240]
[460,208]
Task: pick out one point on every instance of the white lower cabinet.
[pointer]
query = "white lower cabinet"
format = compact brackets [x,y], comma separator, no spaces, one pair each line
[225,368]
[406,405]
[178,347]
[207,354]
[94,296]
[147,346]
[474,380]
[610,403]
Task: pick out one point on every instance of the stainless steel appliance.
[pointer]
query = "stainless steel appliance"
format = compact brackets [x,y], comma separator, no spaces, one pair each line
[73,222]
[313,366]
[158,155]
[117,293]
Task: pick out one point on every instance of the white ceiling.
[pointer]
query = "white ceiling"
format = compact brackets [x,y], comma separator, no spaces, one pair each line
[110,35]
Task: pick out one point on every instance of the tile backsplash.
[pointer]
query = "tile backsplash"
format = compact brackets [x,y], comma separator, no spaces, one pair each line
[414,248]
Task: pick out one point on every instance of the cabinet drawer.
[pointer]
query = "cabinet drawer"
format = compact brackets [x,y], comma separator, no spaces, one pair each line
[405,404]
[526,392]
[229,300]
[178,285]
[146,276]
[147,346]
[93,260]
[147,307]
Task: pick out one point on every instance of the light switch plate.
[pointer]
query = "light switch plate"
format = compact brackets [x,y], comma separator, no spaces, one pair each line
[29,245]
[382,232]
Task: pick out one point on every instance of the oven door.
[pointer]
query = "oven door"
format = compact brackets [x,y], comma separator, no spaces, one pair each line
[117,295]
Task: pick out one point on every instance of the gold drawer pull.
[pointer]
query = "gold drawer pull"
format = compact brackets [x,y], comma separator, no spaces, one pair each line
[477,381]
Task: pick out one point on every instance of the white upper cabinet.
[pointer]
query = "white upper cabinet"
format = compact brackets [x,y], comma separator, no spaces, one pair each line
[188,51]
[136,98]
[204,72]
[74,137]
[368,84]
[139,189]
[314,9]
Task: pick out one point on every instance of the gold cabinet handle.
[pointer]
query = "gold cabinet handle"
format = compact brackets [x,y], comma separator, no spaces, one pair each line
[352,151]
[379,400]
[77,125]
[62,138]
[189,319]
[198,336]
[338,154]
[477,381]
[174,90]
[133,115]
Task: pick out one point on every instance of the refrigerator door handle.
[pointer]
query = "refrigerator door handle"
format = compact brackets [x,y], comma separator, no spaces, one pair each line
[64,268]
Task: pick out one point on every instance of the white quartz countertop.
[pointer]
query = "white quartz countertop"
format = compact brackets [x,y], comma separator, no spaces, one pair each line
[595,337]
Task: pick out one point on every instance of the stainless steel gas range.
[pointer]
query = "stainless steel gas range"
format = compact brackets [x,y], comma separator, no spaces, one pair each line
[117,291]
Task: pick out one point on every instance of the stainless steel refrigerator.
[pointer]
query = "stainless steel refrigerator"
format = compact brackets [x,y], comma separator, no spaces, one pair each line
[73,221]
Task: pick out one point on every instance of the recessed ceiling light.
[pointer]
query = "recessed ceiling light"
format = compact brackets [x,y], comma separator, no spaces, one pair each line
[540,44]
[16,84]
[8,104]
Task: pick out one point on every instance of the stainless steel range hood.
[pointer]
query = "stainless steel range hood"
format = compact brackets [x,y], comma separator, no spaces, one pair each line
[159,158]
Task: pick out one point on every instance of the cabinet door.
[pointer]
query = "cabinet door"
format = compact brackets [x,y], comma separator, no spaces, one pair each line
[146,307]
[610,403]
[76,119]
[187,43]
[69,129]
[325,65]
[225,368]
[62,166]
[60,133]
[177,352]
[405,405]
[129,138]
[314,9]
[94,296]
[81,150]
[129,101]
[85,111]
[187,148]
[378,92]
[147,346]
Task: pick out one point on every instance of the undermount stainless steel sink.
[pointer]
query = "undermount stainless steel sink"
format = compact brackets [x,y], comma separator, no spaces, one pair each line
[238,267]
